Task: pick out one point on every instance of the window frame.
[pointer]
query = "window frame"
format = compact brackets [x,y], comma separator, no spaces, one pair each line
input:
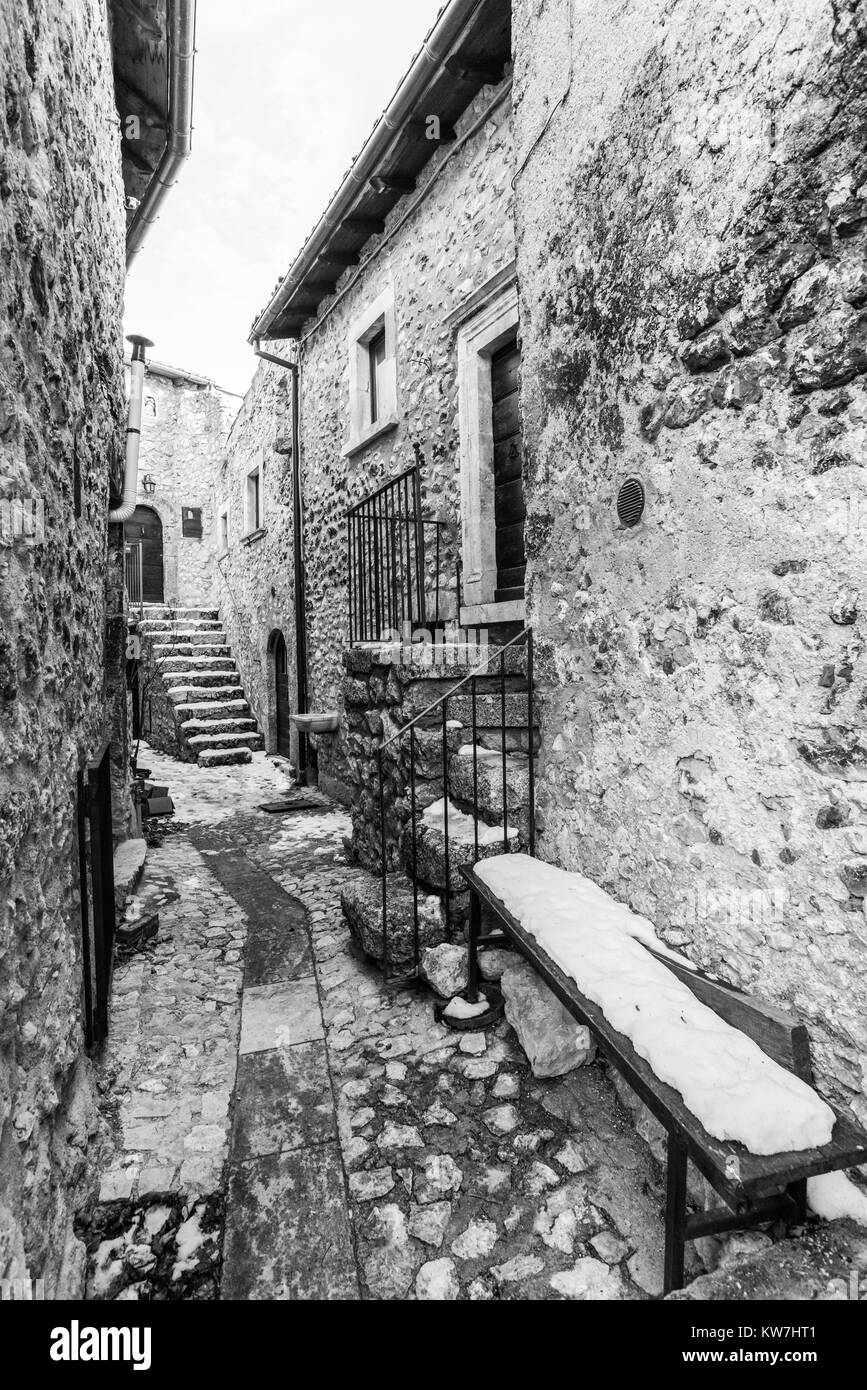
[373,393]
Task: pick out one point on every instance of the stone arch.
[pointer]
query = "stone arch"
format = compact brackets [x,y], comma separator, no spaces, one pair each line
[279,702]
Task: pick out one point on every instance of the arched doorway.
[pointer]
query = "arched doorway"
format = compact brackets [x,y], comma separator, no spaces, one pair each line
[143,535]
[283,728]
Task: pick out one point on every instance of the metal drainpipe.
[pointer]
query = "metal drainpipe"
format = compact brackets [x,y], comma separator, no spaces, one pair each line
[182,57]
[297,553]
[133,428]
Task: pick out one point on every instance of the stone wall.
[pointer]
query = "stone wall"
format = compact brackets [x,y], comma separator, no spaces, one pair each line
[458,239]
[184,430]
[61,435]
[255,583]
[691,253]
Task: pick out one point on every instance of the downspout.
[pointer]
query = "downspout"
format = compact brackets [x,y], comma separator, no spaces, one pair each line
[182,50]
[133,428]
[297,552]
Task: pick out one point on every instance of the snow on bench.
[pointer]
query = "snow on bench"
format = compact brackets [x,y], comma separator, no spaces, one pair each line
[733,1088]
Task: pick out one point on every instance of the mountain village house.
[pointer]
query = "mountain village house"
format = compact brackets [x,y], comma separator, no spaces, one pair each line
[540,531]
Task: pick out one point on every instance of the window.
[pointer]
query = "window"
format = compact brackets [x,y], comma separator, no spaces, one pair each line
[254,499]
[376,370]
[191,522]
[372,374]
[223,529]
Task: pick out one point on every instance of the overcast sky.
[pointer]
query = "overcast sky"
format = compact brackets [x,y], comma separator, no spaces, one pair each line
[286,93]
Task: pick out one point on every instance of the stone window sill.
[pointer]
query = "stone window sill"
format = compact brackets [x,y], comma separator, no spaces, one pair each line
[252,536]
[373,432]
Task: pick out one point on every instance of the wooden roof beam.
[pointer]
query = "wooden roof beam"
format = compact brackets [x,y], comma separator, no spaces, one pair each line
[392,183]
[474,70]
[364,226]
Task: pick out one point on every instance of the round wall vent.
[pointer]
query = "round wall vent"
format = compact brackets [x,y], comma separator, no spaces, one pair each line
[630,502]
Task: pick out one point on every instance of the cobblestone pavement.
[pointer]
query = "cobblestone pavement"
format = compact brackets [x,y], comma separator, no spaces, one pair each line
[361,1149]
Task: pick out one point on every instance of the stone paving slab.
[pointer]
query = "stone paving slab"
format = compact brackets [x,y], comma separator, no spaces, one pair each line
[287,1231]
[283,1101]
[280,1016]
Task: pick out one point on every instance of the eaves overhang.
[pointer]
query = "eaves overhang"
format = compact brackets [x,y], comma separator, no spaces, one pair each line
[467,49]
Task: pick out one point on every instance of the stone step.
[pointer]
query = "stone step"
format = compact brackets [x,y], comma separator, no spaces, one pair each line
[162,612]
[361,901]
[196,665]
[201,742]
[224,757]
[179,680]
[189,641]
[156,626]
[212,709]
[424,857]
[490,784]
[194,650]
[489,710]
[191,727]
[202,694]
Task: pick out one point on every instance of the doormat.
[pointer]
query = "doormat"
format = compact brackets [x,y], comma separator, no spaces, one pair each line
[293,803]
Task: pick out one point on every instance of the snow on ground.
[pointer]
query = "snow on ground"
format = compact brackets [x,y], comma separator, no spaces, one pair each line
[224,792]
[835,1197]
[735,1090]
[461,826]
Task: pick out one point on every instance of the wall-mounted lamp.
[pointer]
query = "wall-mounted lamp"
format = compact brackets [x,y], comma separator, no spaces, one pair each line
[149,485]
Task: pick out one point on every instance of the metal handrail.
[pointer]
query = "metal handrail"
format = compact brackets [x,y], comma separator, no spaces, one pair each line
[410,728]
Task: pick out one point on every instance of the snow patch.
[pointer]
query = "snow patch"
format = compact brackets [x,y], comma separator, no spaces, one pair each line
[461,826]
[735,1090]
[835,1197]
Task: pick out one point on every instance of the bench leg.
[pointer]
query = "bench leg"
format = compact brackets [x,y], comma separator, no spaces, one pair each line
[475,933]
[798,1193]
[675,1214]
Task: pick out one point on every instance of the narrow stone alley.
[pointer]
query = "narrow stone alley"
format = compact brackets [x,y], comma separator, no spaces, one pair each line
[288,1126]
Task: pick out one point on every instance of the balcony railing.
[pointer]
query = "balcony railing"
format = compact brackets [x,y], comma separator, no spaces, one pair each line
[401,570]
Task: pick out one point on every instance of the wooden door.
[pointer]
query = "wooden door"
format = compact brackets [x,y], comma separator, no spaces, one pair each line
[281,690]
[509,507]
[145,529]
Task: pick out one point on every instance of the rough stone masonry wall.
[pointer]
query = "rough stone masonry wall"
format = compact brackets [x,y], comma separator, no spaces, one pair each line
[459,238]
[183,446]
[61,418]
[255,583]
[691,257]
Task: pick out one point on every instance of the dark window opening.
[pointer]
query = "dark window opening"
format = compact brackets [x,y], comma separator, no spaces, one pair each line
[376,360]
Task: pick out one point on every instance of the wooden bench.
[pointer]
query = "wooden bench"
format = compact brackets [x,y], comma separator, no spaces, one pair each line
[754,1188]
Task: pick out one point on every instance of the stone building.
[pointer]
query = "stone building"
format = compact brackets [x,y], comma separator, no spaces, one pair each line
[666,248]
[691,231]
[173,533]
[416,264]
[71,193]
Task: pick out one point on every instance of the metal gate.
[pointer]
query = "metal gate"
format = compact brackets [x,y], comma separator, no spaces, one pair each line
[96,888]
[133,573]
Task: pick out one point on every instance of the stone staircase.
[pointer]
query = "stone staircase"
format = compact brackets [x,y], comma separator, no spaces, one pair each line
[475,789]
[186,650]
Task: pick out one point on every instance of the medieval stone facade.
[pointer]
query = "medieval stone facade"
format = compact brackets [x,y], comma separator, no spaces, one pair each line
[428,268]
[61,418]
[691,239]
[185,421]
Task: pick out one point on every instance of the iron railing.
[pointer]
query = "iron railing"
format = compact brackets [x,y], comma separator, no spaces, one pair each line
[96,890]
[132,571]
[497,656]
[397,562]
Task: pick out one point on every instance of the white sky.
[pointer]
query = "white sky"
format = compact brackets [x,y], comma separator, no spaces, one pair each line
[286,92]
